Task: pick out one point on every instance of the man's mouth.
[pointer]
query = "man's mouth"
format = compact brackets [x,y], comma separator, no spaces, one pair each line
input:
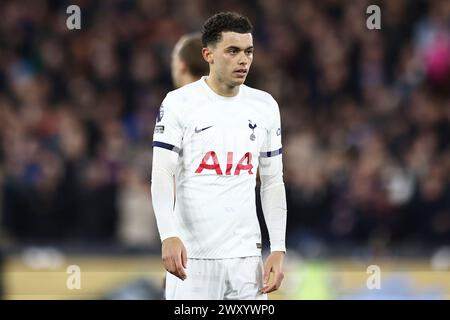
[241,72]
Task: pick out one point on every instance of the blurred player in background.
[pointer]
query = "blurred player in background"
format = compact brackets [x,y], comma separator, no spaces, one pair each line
[188,64]
[212,135]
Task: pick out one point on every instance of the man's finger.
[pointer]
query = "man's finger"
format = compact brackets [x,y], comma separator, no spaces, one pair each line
[267,270]
[180,273]
[266,286]
[278,278]
[272,287]
[276,283]
[167,262]
[171,266]
[184,257]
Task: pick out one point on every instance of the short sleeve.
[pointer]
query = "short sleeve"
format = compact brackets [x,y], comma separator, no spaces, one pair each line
[168,132]
[271,148]
[272,142]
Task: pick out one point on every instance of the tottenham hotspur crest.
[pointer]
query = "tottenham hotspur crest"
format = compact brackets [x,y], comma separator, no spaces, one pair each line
[252,126]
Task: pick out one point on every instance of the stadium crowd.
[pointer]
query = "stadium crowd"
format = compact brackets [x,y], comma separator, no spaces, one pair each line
[365,115]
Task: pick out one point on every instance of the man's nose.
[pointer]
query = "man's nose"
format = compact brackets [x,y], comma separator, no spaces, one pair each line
[243,59]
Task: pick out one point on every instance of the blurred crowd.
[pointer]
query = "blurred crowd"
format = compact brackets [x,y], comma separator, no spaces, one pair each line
[365,115]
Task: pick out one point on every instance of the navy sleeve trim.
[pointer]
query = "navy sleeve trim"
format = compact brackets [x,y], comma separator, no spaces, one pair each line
[270,153]
[166,146]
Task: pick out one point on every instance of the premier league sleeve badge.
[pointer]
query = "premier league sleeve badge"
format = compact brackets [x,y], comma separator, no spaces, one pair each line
[160,114]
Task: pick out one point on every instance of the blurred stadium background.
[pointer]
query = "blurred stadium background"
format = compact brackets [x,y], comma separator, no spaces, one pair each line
[366,122]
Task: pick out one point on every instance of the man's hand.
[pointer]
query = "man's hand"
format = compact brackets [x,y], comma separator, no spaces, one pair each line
[274,264]
[174,257]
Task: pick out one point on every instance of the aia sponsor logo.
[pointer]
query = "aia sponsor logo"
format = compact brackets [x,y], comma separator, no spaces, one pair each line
[210,161]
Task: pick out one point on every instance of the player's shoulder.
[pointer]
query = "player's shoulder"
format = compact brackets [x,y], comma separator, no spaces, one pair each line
[259,95]
[262,98]
[186,92]
[181,99]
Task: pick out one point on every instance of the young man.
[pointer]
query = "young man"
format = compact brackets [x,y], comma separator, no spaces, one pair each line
[188,64]
[223,132]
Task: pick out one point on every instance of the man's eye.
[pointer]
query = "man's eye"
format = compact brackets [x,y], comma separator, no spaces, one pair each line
[233,51]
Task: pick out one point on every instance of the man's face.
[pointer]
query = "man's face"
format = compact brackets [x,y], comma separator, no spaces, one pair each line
[231,57]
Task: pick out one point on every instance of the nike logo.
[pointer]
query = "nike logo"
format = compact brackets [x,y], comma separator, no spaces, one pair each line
[200,130]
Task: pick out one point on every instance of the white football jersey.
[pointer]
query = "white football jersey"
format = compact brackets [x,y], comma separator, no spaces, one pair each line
[221,141]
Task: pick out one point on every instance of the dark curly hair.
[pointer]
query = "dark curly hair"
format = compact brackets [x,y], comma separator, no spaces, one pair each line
[223,22]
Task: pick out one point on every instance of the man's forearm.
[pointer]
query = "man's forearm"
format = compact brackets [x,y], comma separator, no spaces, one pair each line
[162,190]
[273,201]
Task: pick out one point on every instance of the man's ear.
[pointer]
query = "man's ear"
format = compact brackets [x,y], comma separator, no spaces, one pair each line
[208,55]
[183,67]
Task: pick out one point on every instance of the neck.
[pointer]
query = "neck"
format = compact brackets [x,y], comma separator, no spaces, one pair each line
[187,78]
[220,87]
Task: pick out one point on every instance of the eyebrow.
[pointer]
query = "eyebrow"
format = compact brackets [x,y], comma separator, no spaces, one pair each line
[234,47]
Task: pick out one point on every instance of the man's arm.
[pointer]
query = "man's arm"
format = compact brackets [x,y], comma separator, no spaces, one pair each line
[166,146]
[174,254]
[273,201]
[162,189]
